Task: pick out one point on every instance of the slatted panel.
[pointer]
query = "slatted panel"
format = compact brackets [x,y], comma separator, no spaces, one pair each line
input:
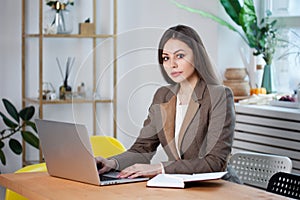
[268,131]
[278,143]
[269,122]
[280,133]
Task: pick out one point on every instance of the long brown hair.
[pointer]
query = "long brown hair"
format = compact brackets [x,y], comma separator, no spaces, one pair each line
[189,36]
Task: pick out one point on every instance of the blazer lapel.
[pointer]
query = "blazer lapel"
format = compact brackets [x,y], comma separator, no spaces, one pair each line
[192,109]
[168,113]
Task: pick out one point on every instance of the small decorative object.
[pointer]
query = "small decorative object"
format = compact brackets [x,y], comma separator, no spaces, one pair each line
[235,73]
[58,19]
[81,90]
[16,122]
[258,75]
[240,88]
[237,83]
[48,91]
[86,28]
[65,91]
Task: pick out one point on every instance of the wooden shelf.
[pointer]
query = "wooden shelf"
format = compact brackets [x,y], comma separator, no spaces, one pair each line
[68,101]
[68,36]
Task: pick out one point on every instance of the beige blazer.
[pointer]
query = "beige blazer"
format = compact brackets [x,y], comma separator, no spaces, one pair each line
[205,137]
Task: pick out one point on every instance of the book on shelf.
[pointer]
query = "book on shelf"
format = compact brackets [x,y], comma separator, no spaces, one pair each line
[180,180]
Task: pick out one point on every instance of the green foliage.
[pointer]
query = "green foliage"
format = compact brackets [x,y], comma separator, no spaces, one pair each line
[260,36]
[211,16]
[17,124]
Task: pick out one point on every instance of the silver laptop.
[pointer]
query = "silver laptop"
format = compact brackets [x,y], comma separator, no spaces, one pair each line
[68,154]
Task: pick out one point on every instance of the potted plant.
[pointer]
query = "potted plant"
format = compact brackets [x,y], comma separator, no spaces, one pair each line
[17,123]
[262,37]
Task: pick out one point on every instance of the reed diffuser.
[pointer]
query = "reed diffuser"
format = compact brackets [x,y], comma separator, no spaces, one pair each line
[65,91]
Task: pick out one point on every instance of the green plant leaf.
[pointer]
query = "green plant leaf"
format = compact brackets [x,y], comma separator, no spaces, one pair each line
[210,16]
[12,111]
[32,125]
[2,157]
[31,139]
[233,9]
[3,132]
[8,122]
[27,113]
[1,144]
[15,146]
[248,22]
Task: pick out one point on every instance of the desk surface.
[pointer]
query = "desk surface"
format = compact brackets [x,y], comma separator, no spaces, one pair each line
[41,186]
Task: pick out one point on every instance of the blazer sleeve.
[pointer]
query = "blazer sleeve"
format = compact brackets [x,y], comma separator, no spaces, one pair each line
[218,142]
[145,146]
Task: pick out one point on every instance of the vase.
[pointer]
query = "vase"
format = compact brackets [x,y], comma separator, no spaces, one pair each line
[58,21]
[65,91]
[267,79]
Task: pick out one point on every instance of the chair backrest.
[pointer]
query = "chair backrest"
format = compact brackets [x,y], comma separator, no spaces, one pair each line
[106,146]
[40,167]
[256,169]
[285,184]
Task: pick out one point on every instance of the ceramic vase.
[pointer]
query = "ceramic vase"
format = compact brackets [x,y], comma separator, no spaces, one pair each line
[267,79]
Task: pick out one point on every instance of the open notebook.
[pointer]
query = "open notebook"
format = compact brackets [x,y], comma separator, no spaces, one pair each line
[180,180]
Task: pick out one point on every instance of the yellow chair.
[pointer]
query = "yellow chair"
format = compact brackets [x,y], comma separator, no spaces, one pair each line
[41,167]
[104,146]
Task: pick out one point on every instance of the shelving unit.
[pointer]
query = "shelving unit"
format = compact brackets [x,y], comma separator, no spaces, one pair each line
[41,65]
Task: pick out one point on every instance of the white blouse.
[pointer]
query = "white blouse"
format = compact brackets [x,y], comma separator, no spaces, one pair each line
[180,114]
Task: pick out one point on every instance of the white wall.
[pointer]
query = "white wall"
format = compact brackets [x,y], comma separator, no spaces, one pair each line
[10,66]
[140,26]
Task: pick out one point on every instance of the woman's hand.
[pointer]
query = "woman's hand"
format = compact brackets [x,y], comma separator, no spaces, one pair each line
[105,165]
[144,170]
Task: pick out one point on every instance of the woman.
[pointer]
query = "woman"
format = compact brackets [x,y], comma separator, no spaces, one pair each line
[193,118]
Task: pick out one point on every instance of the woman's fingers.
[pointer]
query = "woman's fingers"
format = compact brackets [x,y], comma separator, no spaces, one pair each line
[104,165]
[138,170]
[126,173]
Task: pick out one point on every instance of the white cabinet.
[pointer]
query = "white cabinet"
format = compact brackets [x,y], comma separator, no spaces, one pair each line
[268,129]
[283,8]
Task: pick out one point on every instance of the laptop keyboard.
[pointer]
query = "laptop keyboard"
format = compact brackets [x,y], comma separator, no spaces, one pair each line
[109,176]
